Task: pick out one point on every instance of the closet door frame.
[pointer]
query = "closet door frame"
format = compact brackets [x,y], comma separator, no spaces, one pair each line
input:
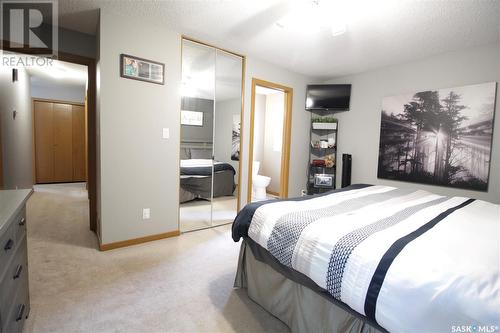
[54,101]
[242,116]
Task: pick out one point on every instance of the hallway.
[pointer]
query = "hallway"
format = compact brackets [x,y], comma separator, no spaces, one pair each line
[181,284]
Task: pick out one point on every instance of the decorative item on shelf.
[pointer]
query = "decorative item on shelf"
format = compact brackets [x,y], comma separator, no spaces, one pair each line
[331,142]
[322,154]
[329,123]
[323,180]
[318,162]
[330,161]
[315,144]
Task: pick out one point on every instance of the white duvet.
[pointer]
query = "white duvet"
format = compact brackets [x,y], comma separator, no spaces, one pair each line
[439,257]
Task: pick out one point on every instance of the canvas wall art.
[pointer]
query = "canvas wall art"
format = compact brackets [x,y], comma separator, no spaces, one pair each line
[441,137]
[236,132]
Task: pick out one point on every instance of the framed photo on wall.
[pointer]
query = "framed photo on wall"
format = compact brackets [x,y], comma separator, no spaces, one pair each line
[191,118]
[142,69]
[439,137]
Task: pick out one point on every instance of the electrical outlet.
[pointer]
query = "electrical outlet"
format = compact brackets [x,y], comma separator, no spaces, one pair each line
[303,193]
[146,213]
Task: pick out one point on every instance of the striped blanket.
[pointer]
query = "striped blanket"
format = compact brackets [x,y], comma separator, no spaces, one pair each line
[410,260]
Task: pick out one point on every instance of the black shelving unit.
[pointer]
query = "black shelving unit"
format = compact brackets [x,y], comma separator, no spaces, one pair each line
[322,147]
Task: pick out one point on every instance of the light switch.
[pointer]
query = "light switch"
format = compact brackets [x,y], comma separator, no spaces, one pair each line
[166,133]
[146,213]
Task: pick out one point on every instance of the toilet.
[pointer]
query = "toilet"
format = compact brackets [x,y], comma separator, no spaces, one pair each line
[259,183]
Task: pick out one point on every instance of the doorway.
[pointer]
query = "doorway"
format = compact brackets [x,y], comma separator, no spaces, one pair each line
[59,107]
[270,128]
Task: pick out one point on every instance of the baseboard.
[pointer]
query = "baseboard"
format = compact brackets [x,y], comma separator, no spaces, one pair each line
[140,240]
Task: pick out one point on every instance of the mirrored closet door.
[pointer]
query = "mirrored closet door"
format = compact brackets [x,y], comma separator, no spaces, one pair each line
[211,112]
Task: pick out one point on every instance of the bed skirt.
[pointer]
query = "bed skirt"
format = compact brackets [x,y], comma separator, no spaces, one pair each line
[300,308]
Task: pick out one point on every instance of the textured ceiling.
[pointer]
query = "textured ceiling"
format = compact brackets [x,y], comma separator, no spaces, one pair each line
[379,33]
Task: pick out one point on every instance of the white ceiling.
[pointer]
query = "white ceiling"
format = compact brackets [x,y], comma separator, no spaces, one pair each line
[379,33]
[59,73]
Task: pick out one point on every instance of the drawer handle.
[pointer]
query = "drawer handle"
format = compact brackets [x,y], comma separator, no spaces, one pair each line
[8,245]
[18,272]
[20,312]
[22,221]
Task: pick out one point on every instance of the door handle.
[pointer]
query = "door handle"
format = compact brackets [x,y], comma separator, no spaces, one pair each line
[8,245]
[20,312]
[18,272]
[22,221]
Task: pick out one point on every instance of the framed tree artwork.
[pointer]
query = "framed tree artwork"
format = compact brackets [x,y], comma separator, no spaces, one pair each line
[441,137]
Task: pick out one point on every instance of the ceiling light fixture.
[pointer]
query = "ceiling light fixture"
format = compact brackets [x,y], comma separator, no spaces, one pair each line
[314,16]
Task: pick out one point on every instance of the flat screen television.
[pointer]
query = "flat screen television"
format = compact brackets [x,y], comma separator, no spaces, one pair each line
[328,97]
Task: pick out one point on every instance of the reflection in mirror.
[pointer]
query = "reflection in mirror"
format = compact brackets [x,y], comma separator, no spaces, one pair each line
[197,124]
[228,86]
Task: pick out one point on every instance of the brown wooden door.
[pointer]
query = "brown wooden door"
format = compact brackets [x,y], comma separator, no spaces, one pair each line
[44,142]
[63,143]
[60,142]
[79,169]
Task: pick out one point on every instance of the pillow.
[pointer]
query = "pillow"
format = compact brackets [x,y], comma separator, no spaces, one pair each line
[201,153]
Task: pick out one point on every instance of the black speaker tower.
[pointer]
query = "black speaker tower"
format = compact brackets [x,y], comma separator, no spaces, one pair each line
[346,169]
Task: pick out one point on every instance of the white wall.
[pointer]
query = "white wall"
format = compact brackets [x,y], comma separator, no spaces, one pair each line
[359,128]
[138,169]
[60,92]
[224,112]
[299,147]
[271,166]
[259,120]
[16,134]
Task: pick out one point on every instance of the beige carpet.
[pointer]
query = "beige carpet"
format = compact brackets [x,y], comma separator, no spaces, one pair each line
[199,214]
[181,284]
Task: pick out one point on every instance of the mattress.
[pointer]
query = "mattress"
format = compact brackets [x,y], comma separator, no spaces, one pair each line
[196,179]
[407,260]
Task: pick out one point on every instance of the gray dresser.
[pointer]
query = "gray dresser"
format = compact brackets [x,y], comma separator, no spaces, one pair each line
[14,292]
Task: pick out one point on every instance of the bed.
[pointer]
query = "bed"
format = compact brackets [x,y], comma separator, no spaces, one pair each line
[372,258]
[196,179]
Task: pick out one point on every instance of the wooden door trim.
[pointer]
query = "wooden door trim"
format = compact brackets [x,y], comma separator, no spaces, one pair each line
[91,135]
[287,129]
[57,101]
[242,118]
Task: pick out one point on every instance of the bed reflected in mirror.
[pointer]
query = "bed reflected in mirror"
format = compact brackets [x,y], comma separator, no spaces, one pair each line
[210,143]
[227,137]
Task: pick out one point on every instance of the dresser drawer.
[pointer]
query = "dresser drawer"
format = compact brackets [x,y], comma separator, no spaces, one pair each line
[7,247]
[20,225]
[13,279]
[14,321]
